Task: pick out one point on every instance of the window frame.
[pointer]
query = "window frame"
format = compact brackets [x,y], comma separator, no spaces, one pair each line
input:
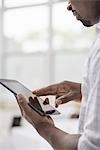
[5,55]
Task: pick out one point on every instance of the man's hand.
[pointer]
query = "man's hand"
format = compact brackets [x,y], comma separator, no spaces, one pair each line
[30,115]
[64,92]
[57,138]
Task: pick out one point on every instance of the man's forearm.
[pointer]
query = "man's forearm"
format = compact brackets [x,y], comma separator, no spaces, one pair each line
[57,138]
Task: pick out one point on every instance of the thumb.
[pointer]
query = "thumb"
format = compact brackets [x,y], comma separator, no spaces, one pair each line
[63,99]
[58,101]
[22,101]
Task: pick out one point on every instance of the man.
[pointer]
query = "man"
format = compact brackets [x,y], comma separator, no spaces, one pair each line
[88,138]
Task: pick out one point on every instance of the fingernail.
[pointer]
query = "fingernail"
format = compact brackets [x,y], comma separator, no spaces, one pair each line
[19,96]
[34,92]
[59,102]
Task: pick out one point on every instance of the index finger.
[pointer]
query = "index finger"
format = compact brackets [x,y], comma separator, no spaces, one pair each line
[49,90]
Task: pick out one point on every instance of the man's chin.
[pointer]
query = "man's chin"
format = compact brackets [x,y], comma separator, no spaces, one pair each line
[86,23]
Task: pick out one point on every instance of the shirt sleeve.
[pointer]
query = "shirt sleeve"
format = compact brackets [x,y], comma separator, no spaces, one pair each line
[90,139]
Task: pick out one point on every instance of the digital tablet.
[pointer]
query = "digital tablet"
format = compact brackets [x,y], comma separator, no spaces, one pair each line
[35,102]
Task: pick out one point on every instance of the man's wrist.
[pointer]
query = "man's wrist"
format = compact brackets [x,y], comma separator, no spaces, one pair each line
[43,128]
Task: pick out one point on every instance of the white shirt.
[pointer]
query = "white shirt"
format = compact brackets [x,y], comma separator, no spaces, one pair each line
[89,121]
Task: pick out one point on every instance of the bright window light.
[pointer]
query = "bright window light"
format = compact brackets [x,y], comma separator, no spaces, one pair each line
[0,3]
[28,28]
[14,3]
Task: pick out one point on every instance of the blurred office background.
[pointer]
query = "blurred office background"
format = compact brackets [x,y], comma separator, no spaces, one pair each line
[40,43]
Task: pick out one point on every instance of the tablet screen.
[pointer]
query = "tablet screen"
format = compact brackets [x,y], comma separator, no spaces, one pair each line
[35,102]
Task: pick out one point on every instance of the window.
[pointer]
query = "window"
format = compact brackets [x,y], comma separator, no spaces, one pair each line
[0,3]
[36,35]
[26,30]
[18,3]
[31,70]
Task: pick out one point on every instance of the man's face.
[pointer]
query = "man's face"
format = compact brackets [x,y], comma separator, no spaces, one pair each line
[82,12]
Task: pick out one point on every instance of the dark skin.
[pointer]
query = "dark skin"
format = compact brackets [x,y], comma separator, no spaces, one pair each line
[64,92]
[87,11]
[57,138]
